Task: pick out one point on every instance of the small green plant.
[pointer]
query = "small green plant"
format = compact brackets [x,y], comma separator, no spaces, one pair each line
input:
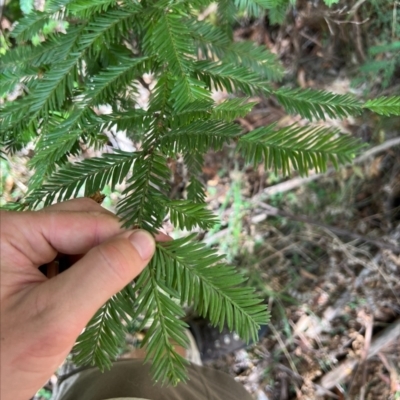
[44,394]
[100,57]
[230,242]
[383,55]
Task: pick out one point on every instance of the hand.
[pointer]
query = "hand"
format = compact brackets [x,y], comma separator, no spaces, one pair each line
[40,317]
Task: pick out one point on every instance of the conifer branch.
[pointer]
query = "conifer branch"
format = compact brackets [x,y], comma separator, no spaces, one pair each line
[101,341]
[108,47]
[302,148]
[199,135]
[315,104]
[93,173]
[190,266]
[145,189]
[231,78]
[384,105]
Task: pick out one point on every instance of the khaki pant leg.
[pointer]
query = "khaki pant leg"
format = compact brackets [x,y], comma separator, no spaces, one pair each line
[131,378]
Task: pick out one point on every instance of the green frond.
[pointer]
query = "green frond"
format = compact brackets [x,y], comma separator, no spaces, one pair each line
[171,39]
[13,128]
[57,155]
[101,341]
[227,14]
[316,104]
[197,110]
[188,90]
[256,58]
[384,105]
[184,214]
[145,189]
[30,25]
[93,173]
[55,86]
[63,137]
[60,139]
[160,102]
[300,148]
[160,303]
[85,9]
[199,135]
[209,39]
[255,7]
[51,93]
[10,79]
[213,42]
[102,59]
[194,162]
[113,79]
[134,121]
[195,191]
[231,78]
[107,27]
[28,55]
[231,109]
[213,288]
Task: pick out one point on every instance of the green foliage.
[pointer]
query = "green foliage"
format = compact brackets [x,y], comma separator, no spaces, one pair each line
[301,147]
[99,57]
[383,55]
[384,105]
[330,3]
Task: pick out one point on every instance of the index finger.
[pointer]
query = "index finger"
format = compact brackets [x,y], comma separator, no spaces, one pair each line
[79,204]
[39,236]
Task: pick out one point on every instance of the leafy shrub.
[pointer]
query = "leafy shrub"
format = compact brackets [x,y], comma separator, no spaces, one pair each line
[98,57]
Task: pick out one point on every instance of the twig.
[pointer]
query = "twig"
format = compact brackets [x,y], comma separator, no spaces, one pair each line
[339,231]
[356,7]
[297,182]
[369,322]
[388,336]
[284,349]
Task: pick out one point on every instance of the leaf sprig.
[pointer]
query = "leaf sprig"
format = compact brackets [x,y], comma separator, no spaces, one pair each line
[102,59]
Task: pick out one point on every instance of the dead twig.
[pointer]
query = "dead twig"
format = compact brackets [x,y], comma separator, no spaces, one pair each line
[369,322]
[387,337]
[339,231]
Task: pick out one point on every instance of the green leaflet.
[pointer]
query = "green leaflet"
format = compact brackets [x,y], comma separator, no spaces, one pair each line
[384,105]
[101,341]
[94,173]
[301,148]
[220,295]
[316,104]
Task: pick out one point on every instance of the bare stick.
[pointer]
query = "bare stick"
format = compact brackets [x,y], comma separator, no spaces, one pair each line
[387,337]
[339,231]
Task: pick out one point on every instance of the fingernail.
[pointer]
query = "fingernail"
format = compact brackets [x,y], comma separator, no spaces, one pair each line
[144,243]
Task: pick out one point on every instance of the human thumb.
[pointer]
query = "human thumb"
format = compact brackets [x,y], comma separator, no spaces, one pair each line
[102,272]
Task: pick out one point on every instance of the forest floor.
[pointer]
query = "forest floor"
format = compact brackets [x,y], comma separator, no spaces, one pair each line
[324,251]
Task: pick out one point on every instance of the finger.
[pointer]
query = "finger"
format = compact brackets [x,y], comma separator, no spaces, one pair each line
[80,204]
[39,236]
[162,237]
[106,269]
